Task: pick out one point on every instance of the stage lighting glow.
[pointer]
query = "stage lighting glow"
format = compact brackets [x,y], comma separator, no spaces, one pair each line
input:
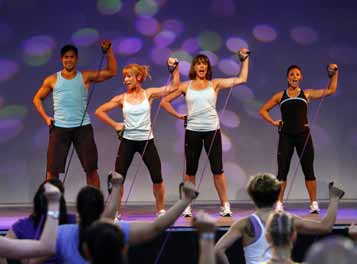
[228,67]
[235,43]
[160,55]
[343,52]
[252,108]
[182,55]
[129,46]
[236,176]
[8,69]
[222,8]
[184,68]
[211,56]
[304,35]
[108,7]
[13,111]
[146,8]
[173,25]
[10,129]
[209,40]
[190,45]
[147,26]
[6,33]
[243,93]
[164,39]
[264,33]
[230,119]
[85,37]
[226,142]
[37,50]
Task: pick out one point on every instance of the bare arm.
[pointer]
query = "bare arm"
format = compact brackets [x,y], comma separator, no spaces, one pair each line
[24,248]
[264,110]
[223,83]
[325,224]
[166,101]
[104,74]
[40,95]
[112,204]
[102,112]
[141,232]
[234,233]
[313,94]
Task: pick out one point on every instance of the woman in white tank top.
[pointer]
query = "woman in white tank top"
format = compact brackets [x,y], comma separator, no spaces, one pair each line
[137,133]
[202,120]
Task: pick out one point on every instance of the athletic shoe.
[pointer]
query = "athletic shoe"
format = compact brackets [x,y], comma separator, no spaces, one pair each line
[187,212]
[160,213]
[314,208]
[225,210]
[279,207]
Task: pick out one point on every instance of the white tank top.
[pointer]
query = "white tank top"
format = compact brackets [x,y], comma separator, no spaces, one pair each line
[259,251]
[137,120]
[201,109]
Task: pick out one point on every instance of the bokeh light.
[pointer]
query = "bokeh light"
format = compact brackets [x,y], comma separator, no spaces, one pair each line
[228,67]
[164,38]
[243,93]
[184,68]
[13,112]
[229,119]
[146,8]
[222,8]
[10,129]
[209,40]
[8,69]
[234,44]
[304,35]
[147,26]
[226,142]
[211,56]
[160,55]
[264,33]
[252,108]
[236,176]
[182,55]
[190,45]
[85,37]
[37,50]
[173,25]
[108,7]
[127,46]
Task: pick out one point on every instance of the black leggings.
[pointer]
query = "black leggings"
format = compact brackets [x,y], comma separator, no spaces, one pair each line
[194,141]
[126,151]
[287,143]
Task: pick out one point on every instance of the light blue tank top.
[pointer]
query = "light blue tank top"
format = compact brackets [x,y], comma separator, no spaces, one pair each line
[137,120]
[70,101]
[201,109]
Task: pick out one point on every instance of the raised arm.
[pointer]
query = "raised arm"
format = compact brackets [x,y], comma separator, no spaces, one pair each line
[19,249]
[141,232]
[40,95]
[227,240]
[313,94]
[172,65]
[325,224]
[104,74]
[223,83]
[264,110]
[102,112]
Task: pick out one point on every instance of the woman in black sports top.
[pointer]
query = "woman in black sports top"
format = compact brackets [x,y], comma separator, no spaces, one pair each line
[294,129]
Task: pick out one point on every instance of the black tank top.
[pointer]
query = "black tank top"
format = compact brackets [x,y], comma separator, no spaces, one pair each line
[294,113]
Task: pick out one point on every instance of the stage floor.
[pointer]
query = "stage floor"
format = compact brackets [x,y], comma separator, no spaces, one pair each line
[347,213]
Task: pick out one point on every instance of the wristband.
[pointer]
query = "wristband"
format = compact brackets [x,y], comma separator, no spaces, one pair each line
[53,214]
[207,236]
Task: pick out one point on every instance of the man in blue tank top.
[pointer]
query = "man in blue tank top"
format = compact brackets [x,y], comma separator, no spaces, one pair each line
[71,123]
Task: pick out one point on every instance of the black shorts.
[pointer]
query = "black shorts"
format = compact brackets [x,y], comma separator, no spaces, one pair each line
[194,141]
[126,152]
[60,141]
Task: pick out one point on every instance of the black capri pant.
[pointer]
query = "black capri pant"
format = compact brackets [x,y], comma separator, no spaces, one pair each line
[194,141]
[126,152]
[287,143]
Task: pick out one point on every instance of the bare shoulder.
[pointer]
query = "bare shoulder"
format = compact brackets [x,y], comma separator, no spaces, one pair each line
[50,81]
[184,86]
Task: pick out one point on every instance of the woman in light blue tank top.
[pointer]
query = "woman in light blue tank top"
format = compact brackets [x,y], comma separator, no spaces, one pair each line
[136,130]
[202,127]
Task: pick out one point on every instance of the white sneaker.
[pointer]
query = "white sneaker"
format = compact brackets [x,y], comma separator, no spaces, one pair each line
[160,213]
[279,207]
[187,212]
[225,210]
[314,208]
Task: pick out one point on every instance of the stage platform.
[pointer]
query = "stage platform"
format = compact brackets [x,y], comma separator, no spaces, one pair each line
[179,243]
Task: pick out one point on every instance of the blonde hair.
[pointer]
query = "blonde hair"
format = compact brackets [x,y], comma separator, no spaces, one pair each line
[137,69]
